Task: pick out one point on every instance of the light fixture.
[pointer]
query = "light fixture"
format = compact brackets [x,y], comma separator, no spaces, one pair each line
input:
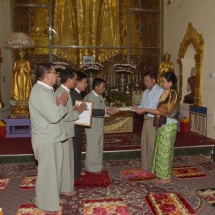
[19,40]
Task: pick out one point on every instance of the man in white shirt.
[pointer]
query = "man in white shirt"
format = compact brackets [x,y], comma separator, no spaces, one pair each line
[150,100]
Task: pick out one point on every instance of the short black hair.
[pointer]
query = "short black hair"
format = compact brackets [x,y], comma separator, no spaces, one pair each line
[67,73]
[151,74]
[97,82]
[41,69]
[170,76]
[81,75]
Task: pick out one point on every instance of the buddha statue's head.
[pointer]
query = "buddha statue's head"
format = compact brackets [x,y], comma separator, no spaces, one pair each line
[193,71]
[21,54]
[166,56]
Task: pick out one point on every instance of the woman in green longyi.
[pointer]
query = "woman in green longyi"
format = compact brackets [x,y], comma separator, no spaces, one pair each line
[165,120]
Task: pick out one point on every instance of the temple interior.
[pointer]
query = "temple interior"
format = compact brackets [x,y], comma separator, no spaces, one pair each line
[138,33]
[120,40]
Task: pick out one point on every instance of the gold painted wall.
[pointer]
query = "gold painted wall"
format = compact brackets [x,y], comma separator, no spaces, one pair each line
[112,31]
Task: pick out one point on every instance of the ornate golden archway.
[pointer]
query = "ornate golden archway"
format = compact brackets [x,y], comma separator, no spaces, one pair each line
[196,39]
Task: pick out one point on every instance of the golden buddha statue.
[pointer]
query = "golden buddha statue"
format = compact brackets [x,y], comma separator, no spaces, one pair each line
[21,86]
[21,82]
[165,66]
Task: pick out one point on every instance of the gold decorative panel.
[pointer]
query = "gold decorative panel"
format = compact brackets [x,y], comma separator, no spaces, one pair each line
[39,30]
[31,1]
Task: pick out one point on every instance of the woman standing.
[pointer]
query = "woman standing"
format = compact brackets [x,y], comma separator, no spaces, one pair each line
[165,120]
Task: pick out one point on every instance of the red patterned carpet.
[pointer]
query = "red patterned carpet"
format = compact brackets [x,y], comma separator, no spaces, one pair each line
[208,195]
[94,180]
[105,206]
[112,142]
[168,203]
[3,183]
[132,193]
[187,172]
[119,142]
[28,183]
[31,209]
[138,174]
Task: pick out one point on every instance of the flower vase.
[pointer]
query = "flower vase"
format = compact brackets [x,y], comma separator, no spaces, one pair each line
[58,81]
[123,82]
[91,76]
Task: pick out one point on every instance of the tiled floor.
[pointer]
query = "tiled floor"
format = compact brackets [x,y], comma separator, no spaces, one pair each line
[12,197]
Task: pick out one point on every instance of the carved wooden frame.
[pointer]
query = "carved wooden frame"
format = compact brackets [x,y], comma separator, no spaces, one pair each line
[196,39]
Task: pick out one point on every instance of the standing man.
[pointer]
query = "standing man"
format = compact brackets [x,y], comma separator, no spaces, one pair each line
[46,113]
[150,100]
[95,134]
[78,139]
[68,82]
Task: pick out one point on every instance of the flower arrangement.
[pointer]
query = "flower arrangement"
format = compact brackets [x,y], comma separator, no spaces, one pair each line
[60,66]
[96,67]
[124,68]
[115,98]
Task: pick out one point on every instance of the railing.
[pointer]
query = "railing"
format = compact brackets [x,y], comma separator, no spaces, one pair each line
[198,120]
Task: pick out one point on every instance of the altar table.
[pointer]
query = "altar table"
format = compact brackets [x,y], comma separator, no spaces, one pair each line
[119,123]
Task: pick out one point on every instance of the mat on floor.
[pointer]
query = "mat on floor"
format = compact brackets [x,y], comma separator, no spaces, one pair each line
[168,203]
[137,175]
[118,142]
[28,183]
[187,172]
[3,183]
[105,206]
[31,209]
[94,180]
[208,195]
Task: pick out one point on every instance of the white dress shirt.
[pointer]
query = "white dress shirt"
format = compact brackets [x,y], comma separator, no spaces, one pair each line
[150,98]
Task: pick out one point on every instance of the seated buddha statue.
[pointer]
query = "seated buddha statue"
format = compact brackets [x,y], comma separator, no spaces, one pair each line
[191,84]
